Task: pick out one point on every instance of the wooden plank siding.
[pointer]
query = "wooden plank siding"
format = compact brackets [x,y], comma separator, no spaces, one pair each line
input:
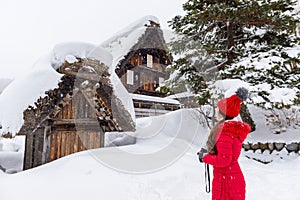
[135,60]
[34,148]
[85,134]
[53,144]
[147,81]
[64,143]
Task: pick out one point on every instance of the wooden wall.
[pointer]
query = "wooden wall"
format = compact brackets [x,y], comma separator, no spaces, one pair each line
[147,82]
[34,149]
[63,143]
[75,128]
[136,60]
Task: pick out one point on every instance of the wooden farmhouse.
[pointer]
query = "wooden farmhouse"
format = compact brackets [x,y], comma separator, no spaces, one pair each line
[143,69]
[142,64]
[74,116]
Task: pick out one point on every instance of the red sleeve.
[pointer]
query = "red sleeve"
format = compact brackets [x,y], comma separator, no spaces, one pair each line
[224,156]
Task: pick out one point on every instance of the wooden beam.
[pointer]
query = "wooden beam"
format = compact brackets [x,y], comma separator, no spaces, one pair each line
[89,99]
[86,121]
[46,144]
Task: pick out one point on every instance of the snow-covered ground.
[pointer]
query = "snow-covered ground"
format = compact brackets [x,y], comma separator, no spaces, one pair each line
[11,154]
[161,165]
[4,82]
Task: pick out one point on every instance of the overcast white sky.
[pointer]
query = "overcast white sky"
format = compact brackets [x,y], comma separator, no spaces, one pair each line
[30,28]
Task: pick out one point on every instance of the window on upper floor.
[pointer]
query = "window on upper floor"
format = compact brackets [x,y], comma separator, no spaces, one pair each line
[130,75]
[149,61]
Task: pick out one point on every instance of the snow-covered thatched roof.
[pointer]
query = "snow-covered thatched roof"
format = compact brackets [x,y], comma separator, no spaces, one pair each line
[123,41]
[25,91]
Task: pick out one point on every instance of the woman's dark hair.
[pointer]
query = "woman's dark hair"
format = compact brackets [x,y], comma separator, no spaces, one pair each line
[225,117]
[211,140]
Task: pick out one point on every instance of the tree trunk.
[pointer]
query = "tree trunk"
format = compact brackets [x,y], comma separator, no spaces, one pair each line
[230,42]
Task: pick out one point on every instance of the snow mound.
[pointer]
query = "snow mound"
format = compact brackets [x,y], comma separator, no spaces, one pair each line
[170,126]
[4,82]
[184,179]
[11,154]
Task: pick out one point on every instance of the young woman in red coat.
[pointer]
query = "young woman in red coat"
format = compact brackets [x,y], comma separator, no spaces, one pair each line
[224,145]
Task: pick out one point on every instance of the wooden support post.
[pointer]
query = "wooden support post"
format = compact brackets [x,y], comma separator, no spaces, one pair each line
[38,147]
[27,163]
[46,144]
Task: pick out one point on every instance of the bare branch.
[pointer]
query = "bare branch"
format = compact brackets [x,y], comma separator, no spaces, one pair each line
[216,68]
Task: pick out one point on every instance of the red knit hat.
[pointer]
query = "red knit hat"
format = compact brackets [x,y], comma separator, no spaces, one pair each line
[231,106]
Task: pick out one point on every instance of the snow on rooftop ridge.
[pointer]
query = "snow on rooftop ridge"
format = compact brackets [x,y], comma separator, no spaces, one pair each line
[63,50]
[122,46]
[121,43]
[23,92]
[72,50]
[138,24]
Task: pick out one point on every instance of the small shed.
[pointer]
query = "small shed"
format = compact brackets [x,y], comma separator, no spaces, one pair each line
[75,116]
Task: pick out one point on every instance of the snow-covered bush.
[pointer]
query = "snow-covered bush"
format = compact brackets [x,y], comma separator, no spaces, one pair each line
[282,119]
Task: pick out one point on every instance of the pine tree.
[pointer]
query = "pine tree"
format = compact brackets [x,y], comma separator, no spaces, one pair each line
[240,39]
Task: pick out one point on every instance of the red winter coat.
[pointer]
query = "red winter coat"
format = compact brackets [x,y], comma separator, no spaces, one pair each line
[228,182]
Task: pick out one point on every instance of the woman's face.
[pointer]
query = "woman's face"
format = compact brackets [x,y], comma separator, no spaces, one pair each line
[218,115]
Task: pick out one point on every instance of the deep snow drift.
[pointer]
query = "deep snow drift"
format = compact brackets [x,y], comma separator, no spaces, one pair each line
[162,165]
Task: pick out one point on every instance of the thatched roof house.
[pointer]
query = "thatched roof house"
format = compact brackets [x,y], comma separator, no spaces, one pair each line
[74,114]
[140,58]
